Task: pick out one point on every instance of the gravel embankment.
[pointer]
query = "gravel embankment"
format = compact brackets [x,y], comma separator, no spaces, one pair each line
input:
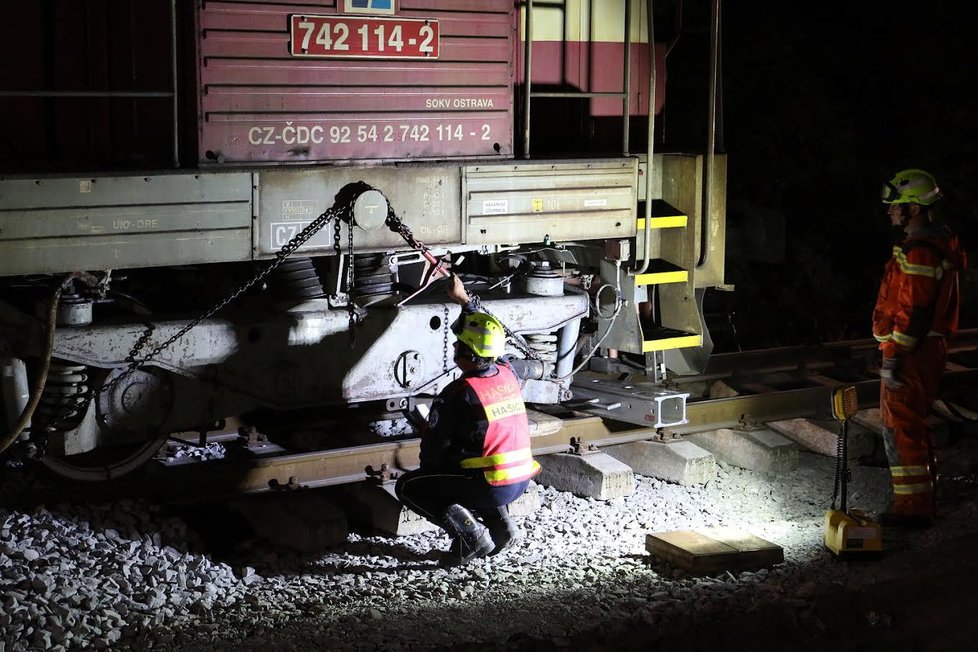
[131,576]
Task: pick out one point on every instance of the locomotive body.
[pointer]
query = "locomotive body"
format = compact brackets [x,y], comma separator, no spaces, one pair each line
[221,209]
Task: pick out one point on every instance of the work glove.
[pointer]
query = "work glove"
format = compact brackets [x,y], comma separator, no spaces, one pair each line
[889,373]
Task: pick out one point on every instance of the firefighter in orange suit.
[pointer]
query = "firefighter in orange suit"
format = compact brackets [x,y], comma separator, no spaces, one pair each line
[475,448]
[916,312]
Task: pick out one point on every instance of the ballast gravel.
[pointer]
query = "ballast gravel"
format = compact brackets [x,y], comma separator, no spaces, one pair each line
[132,576]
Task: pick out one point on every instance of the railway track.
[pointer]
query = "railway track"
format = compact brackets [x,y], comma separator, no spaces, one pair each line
[756,386]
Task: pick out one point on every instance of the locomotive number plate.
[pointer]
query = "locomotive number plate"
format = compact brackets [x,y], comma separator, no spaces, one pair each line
[363,38]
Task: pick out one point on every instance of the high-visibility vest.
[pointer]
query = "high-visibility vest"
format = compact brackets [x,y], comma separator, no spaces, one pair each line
[506,454]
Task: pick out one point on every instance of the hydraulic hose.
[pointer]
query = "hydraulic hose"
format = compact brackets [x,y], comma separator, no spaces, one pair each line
[42,377]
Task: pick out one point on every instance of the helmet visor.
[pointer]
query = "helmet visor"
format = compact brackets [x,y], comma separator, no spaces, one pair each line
[890,194]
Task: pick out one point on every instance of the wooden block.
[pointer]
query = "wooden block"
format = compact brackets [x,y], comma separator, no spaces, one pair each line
[542,424]
[709,550]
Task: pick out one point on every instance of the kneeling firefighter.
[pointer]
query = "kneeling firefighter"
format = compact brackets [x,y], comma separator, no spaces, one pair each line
[475,448]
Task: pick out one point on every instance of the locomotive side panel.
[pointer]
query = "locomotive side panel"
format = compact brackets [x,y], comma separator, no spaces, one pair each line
[302,83]
[424,196]
[58,225]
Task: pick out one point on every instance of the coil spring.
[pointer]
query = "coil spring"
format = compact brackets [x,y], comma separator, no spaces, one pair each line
[296,278]
[544,345]
[65,397]
[371,275]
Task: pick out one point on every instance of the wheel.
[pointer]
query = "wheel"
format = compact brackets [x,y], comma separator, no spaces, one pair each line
[124,423]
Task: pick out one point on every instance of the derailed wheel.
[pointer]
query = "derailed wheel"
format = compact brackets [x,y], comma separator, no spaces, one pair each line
[104,464]
[121,429]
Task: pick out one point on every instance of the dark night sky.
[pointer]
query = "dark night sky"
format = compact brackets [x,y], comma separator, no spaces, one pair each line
[822,103]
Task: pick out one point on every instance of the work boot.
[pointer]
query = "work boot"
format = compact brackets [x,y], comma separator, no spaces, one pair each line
[501,527]
[471,539]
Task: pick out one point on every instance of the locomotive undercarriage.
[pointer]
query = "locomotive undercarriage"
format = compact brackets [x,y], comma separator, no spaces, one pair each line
[274,351]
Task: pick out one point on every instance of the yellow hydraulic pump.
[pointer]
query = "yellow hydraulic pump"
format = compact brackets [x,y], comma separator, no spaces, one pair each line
[849,533]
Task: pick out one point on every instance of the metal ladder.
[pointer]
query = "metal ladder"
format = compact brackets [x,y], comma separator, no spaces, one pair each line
[529,93]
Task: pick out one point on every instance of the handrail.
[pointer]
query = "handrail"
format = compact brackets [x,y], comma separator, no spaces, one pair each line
[527,79]
[174,69]
[708,173]
[649,147]
[627,78]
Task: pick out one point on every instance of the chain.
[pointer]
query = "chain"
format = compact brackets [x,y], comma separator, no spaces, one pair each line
[81,403]
[287,250]
[444,343]
[350,307]
[141,342]
[105,284]
[395,224]
[516,340]
[520,344]
[337,228]
[348,273]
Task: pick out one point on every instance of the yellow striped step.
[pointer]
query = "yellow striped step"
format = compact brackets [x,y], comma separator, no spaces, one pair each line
[666,339]
[661,271]
[664,216]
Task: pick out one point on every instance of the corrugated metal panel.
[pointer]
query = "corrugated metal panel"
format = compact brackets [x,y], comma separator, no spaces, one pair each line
[425,197]
[530,202]
[68,224]
[260,103]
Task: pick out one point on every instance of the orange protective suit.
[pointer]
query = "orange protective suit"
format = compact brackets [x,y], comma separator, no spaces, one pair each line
[916,310]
